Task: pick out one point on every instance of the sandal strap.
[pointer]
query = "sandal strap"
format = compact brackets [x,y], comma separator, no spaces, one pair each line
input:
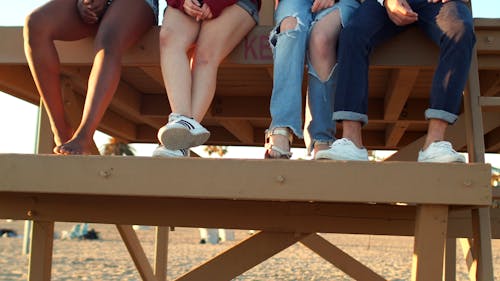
[280,131]
[280,151]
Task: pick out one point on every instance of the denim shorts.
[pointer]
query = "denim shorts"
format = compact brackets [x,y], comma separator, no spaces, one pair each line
[251,8]
[154,6]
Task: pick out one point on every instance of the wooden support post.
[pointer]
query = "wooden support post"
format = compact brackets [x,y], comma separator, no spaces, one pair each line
[481,224]
[40,264]
[161,253]
[340,259]
[243,256]
[430,237]
[135,250]
[481,232]
[450,260]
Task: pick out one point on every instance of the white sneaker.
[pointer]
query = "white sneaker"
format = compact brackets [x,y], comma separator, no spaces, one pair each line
[440,152]
[162,151]
[182,132]
[343,149]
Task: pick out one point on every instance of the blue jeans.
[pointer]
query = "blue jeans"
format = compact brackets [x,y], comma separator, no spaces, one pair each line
[449,25]
[289,52]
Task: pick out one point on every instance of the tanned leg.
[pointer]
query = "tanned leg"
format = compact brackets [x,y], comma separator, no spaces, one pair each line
[56,20]
[124,22]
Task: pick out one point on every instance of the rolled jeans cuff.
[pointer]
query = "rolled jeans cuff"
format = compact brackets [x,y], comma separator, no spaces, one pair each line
[350,116]
[440,114]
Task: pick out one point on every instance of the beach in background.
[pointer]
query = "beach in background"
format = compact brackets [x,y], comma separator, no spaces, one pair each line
[108,259]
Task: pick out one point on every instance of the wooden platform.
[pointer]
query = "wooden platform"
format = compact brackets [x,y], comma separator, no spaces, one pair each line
[272,196]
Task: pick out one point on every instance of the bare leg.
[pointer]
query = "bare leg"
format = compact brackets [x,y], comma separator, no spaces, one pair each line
[56,20]
[352,131]
[323,44]
[118,31]
[178,33]
[323,51]
[218,37]
[435,131]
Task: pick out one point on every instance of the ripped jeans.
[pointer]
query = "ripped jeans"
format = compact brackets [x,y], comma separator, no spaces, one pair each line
[289,53]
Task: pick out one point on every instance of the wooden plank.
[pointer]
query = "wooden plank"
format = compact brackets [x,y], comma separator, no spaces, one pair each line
[45,138]
[241,129]
[161,253]
[490,102]
[40,259]
[379,219]
[430,239]
[243,256]
[401,83]
[249,179]
[340,259]
[136,252]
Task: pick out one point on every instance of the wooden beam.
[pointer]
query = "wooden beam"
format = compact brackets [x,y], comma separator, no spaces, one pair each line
[492,141]
[16,80]
[136,252]
[245,255]
[340,259]
[395,132]
[155,73]
[490,80]
[401,83]
[490,102]
[126,101]
[241,129]
[250,179]
[430,239]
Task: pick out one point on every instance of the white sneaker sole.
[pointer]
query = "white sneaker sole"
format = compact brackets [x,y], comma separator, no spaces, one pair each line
[181,138]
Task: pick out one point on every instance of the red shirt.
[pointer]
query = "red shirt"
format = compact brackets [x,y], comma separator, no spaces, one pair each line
[216,6]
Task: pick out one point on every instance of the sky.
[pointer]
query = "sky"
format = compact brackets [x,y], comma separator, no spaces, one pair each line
[19,136]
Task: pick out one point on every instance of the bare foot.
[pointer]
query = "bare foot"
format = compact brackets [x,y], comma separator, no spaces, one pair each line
[76,146]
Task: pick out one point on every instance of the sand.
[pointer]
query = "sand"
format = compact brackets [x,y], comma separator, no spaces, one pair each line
[108,259]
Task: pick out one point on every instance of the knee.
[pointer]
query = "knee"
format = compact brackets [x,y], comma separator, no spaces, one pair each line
[288,23]
[107,40]
[206,55]
[166,36]
[322,43]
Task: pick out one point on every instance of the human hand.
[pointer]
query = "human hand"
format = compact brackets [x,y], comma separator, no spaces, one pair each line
[319,5]
[86,14]
[400,12]
[207,13]
[193,8]
[97,6]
